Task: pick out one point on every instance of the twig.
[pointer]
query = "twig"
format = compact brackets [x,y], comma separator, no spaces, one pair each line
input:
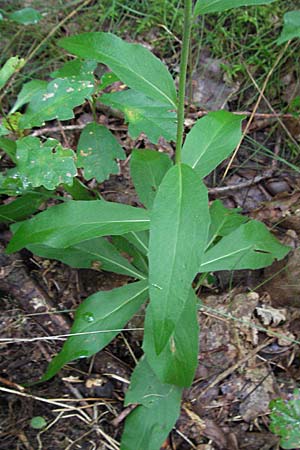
[244,184]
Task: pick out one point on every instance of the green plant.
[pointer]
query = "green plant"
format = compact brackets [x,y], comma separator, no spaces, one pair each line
[169,242]
[285,420]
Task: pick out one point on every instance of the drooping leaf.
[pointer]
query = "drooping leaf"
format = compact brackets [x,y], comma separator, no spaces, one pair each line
[76,221]
[45,164]
[178,361]
[149,424]
[178,235]
[96,153]
[251,246]
[22,207]
[56,101]
[147,168]
[76,69]
[98,254]
[11,66]
[27,92]
[97,321]
[132,63]
[213,6]
[291,27]
[143,114]
[223,220]
[285,420]
[211,140]
[25,16]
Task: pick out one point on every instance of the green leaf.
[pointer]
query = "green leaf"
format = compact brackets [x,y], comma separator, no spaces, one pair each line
[132,63]
[148,167]
[25,16]
[38,422]
[291,27]
[285,420]
[178,234]
[213,6]
[143,114]
[79,191]
[97,254]
[178,361]
[138,260]
[223,220]
[76,221]
[106,80]
[96,152]
[27,92]
[211,140]
[97,321]
[159,404]
[9,147]
[140,240]
[56,101]
[76,68]
[12,65]
[251,246]
[22,207]
[45,164]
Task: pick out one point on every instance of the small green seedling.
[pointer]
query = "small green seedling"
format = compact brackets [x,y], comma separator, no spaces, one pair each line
[175,236]
[285,420]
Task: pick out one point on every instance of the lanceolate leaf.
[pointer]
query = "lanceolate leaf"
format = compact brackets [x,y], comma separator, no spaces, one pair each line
[56,101]
[178,361]
[25,16]
[291,28]
[22,207]
[97,151]
[147,168]
[144,115]
[132,63]
[251,246]
[223,220]
[97,321]
[140,240]
[98,254]
[211,140]
[138,259]
[11,66]
[150,423]
[77,221]
[45,164]
[178,235]
[213,6]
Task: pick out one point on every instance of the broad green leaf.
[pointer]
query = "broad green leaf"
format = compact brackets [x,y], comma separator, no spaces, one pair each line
[285,420]
[76,68]
[56,101]
[251,246]
[97,254]
[25,16]
[147,168]
[213,6]
[27,92]
[97,321]
[76,221]
[149,424]
[9,147]
[3,130]
[45,164]
[211,140]
[178,235]
[13,183]
[22,207]
[223,220]
[96,152]
[178,361]
[132,63]
[143,114]
[11,66]
[291,27]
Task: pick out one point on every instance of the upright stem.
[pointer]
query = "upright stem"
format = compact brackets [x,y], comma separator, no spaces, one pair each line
[187,26]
